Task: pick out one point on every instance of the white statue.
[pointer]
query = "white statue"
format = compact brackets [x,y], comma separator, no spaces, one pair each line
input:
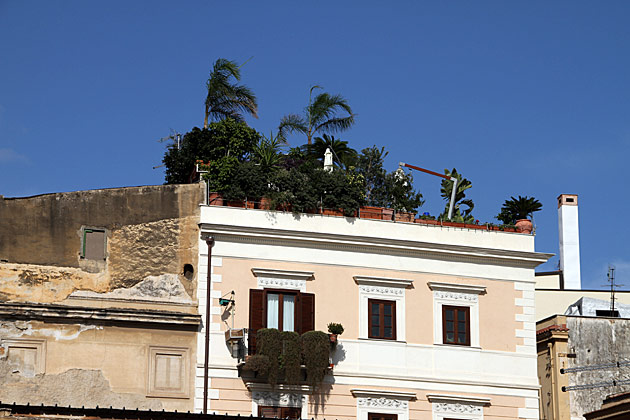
[328,160]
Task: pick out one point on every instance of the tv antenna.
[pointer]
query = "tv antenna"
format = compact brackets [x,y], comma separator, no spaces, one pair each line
[175,137]
[613,286]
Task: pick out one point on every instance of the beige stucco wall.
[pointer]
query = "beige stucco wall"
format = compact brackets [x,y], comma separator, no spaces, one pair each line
[91,365]
[337,402]
[337,299]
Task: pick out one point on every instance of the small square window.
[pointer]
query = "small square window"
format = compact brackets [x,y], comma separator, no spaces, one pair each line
[93,244]
[26,355]
[456,325]
[168,372]
[382,319]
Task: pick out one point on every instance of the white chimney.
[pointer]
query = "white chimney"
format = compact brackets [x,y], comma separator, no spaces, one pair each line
[569,233]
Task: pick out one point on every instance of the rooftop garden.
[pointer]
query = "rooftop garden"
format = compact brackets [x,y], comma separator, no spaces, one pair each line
[325,175]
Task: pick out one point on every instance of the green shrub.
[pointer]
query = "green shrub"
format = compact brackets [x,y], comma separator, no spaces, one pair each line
[316,349]
[291,357]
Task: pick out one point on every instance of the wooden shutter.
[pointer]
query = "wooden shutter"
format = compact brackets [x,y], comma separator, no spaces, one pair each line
[307,312]
[256,316]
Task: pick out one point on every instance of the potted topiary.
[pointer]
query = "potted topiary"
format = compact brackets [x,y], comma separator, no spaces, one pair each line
[515,211]
[334,330]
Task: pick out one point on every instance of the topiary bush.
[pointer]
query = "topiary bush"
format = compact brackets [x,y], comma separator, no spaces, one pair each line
[291,357]
[316,350]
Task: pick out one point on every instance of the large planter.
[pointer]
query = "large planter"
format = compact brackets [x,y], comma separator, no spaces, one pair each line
[426,221]
[265,203]
[215,199]
[403,216]
[388,214]
[524,226]
[370,212]
[332,212]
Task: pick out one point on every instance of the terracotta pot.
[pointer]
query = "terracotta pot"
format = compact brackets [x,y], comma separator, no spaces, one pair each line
[403,216]
[215,199]
[475,226]
[331,212]
[524,226]
[454,224]
[427,221]
[388,214]
[369,212]
[333,338]
[265,203]
[236,203]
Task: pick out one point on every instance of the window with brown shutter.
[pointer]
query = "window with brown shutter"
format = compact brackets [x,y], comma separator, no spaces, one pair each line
[268,309]
[382,319]
[456,325]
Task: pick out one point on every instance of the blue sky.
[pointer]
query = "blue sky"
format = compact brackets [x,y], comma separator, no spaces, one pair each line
[523,98]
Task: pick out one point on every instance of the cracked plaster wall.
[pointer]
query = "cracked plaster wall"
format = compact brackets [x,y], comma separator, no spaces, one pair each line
[597,341]
[151,231]
[88,365]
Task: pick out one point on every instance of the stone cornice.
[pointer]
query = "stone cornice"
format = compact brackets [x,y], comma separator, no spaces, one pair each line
[458,399]
[87,315]
[283,274]
[383,281]
[456,288]
[379,393]
[366,244]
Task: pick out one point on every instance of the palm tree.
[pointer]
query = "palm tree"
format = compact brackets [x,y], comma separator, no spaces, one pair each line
[343,156]
[518,208]
[226,99]
[321,116]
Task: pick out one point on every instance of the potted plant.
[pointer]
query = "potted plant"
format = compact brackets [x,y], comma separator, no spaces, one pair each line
[334,330]
[515,211]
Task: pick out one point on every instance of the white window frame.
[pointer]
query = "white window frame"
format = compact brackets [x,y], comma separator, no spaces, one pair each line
[382,288]
[380,401]
[456,406]
[295,396]
[451,294]
[184,353]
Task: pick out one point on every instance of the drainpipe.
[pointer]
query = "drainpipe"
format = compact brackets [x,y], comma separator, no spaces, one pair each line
[210,243]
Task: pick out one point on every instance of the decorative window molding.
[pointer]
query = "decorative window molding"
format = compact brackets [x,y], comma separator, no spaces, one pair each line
[383,281]
[168,372]
[449,406]
[452,294]
[382,288]
[282,279]
[280,396]
[389,402]
[26,355]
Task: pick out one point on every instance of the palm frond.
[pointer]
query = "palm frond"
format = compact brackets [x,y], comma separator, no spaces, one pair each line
[290,124]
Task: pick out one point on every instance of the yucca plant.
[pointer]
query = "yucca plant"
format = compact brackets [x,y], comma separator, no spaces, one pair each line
[518,208]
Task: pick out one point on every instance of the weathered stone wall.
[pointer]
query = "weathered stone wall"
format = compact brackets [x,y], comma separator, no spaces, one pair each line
[88,365]
[597,341]
[151,231]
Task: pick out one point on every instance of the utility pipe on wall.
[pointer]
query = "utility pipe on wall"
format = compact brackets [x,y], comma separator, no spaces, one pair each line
[210,243]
